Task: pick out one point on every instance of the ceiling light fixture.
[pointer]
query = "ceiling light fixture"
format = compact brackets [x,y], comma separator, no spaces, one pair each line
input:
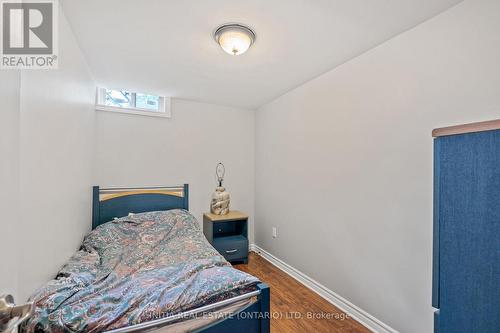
[234,38]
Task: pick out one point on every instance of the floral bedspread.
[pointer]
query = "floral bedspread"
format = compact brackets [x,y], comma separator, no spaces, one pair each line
[135,269]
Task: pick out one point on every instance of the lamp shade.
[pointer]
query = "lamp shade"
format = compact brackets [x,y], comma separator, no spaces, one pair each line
[234,38]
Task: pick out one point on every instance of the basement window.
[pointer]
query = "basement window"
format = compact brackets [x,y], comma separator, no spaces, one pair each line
[125,101]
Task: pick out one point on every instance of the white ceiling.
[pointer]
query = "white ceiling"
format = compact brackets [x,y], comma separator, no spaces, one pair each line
[166,46]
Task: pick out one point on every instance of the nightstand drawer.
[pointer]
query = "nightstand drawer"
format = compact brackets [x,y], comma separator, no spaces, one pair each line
[232,247]
[225,228]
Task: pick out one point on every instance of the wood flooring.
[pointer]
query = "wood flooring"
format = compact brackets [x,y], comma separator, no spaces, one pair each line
[294,307]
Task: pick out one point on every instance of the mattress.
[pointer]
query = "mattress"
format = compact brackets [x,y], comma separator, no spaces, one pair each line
[133,270]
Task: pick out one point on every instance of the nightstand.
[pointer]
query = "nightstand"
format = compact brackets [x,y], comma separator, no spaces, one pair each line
[228,234]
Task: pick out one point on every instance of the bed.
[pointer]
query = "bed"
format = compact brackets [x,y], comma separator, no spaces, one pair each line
[146,266]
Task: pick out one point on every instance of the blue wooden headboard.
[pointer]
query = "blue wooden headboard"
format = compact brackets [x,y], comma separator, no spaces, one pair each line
[110,203]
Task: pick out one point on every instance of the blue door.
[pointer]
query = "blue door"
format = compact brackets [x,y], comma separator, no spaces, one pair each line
[466,276]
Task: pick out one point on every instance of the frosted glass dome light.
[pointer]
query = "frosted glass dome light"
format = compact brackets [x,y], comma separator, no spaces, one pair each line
[234,38]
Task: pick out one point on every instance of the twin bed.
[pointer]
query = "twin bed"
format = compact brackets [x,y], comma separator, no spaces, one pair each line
[146,266]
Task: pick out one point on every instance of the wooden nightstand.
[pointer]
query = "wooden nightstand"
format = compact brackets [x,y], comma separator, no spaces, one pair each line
[228,234]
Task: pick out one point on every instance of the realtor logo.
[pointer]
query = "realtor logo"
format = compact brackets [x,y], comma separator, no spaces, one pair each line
[29,34]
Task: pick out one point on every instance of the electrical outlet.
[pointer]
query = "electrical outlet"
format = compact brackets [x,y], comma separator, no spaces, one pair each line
[275,232]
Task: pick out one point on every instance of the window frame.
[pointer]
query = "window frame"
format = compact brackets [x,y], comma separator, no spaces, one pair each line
[164,105]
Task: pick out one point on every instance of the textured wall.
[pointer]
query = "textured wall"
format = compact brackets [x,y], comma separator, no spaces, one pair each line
[9,177]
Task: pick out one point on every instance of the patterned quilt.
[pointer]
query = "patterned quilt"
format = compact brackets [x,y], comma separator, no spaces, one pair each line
[135,269]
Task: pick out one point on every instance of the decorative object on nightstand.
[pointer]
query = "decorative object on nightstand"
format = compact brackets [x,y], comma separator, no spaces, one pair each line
[228,234]
[220,199]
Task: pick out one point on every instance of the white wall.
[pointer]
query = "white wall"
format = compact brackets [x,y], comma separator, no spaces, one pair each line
[344,162]
[9,177]
[136,150]
[56,141]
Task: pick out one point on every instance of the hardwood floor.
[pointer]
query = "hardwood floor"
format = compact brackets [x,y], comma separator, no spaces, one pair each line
[293,304]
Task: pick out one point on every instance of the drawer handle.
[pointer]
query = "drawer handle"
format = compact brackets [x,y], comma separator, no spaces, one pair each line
[231,251]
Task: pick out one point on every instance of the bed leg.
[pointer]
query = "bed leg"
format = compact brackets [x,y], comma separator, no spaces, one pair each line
[265,308]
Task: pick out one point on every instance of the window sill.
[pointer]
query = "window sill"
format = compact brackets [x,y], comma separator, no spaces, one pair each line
[132,111]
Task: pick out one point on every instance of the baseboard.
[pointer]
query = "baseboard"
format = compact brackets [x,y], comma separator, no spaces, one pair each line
[355,312]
